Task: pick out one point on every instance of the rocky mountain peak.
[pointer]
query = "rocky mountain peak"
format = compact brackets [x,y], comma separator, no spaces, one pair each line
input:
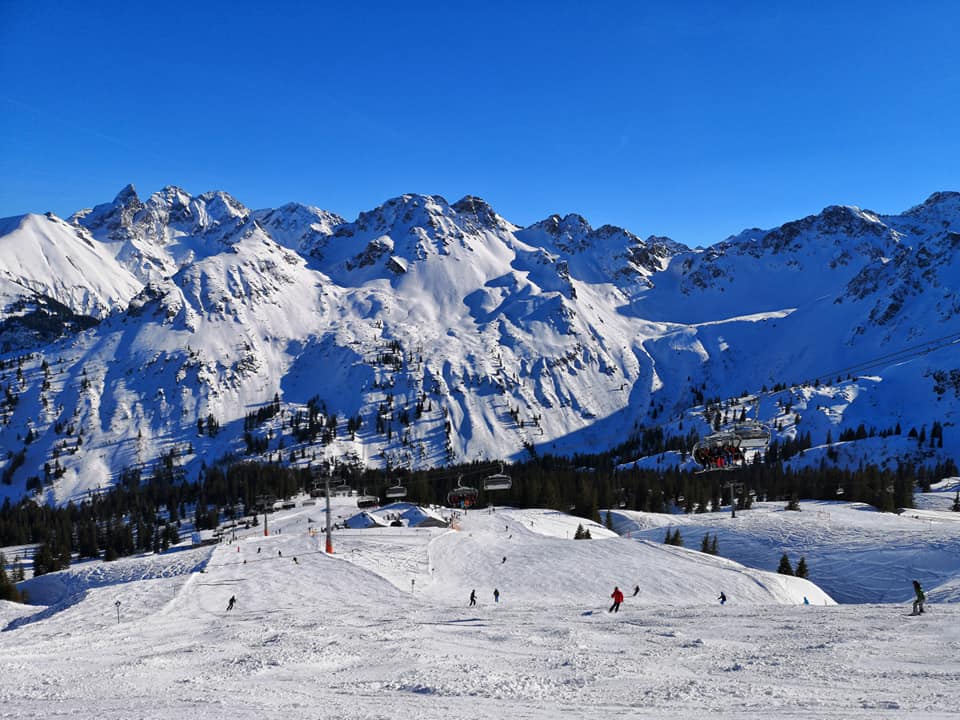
[479,212]
[127,196]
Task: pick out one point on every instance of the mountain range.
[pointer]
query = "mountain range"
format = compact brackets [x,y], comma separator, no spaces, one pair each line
[426,332]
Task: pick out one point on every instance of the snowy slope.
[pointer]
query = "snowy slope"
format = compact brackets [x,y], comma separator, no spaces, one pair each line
[382,629]
[849,548]
[42,255]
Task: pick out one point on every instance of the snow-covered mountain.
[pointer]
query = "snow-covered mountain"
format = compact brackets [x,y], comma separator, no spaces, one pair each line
[426,332]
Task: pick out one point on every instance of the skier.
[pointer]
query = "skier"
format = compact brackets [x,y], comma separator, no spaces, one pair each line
[496,595]
[636,591]
[921,596]
[722,598]
[473,598]
[617,599]
[232,602]
[504,560]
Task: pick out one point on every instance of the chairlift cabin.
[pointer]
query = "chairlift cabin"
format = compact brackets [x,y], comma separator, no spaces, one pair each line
[367,501]
[754,436]
[715,451]
[462,496]
[733,447]
[622,498]
[396,491]
[497,481]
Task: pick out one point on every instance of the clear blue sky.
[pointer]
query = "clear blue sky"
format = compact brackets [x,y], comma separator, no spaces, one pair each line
[693,120]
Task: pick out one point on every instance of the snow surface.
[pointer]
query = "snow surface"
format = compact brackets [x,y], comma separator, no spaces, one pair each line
[382,629]
[558,337]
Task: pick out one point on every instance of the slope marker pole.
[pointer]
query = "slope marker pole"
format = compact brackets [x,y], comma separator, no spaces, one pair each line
[329,535]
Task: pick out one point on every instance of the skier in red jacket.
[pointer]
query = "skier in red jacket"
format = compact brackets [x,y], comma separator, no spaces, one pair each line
[617,599]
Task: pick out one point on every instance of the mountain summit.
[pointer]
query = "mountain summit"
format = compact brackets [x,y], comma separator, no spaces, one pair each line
[438,332]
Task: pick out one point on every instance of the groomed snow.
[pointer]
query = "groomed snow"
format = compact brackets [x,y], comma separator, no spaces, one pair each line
[382,629]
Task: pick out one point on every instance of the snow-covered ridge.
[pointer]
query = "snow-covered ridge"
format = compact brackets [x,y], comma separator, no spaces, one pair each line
[454,334]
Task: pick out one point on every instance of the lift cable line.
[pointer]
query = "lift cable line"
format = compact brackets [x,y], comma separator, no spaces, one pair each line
[897,356]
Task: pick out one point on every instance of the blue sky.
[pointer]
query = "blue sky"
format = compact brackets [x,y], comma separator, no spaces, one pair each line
[693,120]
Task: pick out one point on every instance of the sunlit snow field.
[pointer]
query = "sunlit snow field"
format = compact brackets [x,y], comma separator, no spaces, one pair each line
[382,628]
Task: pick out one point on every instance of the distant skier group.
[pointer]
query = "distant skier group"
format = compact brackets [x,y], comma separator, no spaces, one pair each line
[473,596]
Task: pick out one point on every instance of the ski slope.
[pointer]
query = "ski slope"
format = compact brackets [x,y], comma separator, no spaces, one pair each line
[382,629]
[855,553]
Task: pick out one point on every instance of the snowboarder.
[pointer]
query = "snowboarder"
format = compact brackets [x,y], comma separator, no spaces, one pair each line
[473,598]
[496,595]
[722,598]
[636,591]
[921,596]
[295,559]
[806,600]
[232,602]
[258,551]
[617,596]
[504,560]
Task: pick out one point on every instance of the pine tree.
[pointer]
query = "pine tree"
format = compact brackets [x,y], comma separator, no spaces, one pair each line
[8,590]
[705,544]
[713,546]
[801,571]
[609,520]
[581,534]
[44,560]
[785,567]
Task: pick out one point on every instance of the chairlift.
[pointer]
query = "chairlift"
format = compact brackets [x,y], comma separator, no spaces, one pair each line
[367,501]
[462,496]
[711,451]
[754,436]
[733,447]
[622,498]
[396,490]
[497,481]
